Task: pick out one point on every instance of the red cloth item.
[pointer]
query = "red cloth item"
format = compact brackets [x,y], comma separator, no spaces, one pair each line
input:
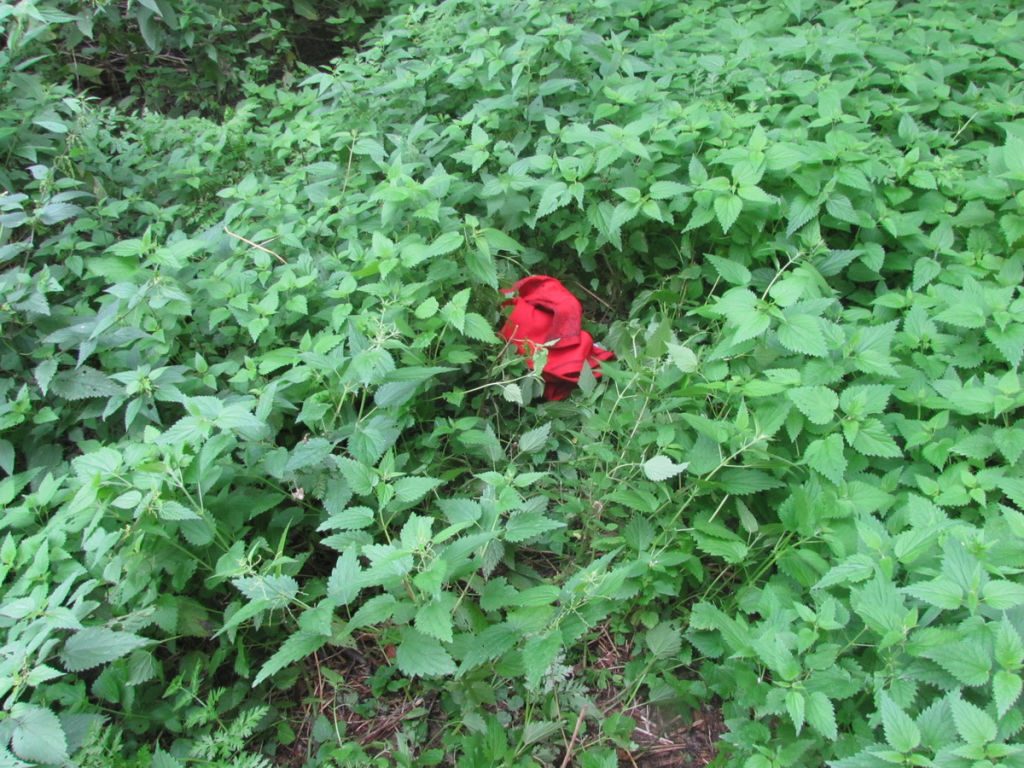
[544,310]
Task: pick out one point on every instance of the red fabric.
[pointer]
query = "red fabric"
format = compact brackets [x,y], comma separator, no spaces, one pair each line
[544,310]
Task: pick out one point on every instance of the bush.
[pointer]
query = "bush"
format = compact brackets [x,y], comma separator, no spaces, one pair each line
[259,432]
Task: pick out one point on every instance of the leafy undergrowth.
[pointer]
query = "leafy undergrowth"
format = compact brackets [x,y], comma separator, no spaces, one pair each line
[275,491]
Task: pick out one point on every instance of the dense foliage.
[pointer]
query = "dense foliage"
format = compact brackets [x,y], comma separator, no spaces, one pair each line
[254,418]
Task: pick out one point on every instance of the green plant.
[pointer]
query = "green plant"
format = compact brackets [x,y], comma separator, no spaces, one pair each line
[256,424]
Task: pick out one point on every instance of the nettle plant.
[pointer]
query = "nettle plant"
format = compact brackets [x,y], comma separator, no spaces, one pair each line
[256,413]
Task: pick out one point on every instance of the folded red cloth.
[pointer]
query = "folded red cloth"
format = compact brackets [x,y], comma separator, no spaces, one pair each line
[543,311]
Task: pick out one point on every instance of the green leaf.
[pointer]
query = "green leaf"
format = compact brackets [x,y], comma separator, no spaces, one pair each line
[477,328]
[279,591]
[821,715]
[826,456]
[421,656]
[343,583]
[901,732]
[297,647]
[973,724]
[93,646]
[727,210]
[665,190]
[535,439]
[803,334]
[659,468]
[1009,647]
[480,266]
[684,358]
[731,271]
[872,439]
[409,490]
[796,707]
[555,195]
[434,619]
[968,662]
[664,641]
[527,525]
[539,654]
[37,735]
[1003,595]
[1006,687]
[493,642]
[817,403]
[940,592]
[427,308]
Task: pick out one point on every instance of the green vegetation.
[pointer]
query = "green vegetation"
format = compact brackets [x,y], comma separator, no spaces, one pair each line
[269,477]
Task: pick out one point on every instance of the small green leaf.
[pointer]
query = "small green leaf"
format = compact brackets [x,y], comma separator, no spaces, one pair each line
[297,647]
[664,640]
[435,618]
[727,210]
[817,403]
[93,646]
[821,715]
[1006,687]
[901,732]
[731,271]
[826,456]
[37,735]
[421,656]
[973,724]
[535,439]
[658,468]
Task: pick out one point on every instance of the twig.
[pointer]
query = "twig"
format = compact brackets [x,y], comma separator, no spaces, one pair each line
[593,295]
[572,739]
[257,246]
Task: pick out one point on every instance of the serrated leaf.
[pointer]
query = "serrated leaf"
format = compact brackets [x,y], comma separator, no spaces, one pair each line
[827,457]
[37,735]
[940,592]
[901,732]
[297,647]
[803,334]
[278,590]
[538,654]
[659,468]
[554,196]
[731,271]
[973,724]
[1009,647]
[434,619]
[727,210]
[421,656]
[1006,687]
[665,190]
[684,358]
[1003,595]
[93,646]
[84,383]
[796,707]
[427,308]
[535,439]
[411,489]
[360,477]
[343,584]
[493,642]
[527,525]
[872,439]
[172,510]
[968,662]
[664,640]
[821,715]
[477,328]
[817,403]
[308,454]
